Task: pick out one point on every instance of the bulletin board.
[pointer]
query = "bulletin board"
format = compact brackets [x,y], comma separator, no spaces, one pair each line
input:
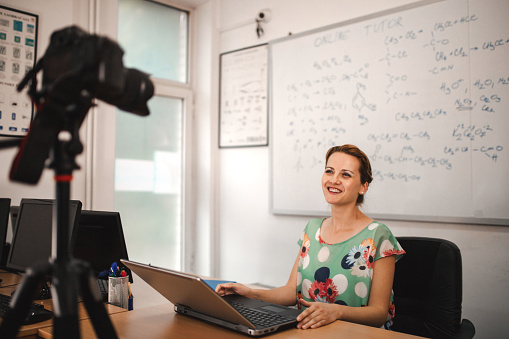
[18,52]
[243,110]
[422,90]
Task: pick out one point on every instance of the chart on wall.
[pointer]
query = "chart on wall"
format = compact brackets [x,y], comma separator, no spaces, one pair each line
[243,107]
[423,91]
[18,46]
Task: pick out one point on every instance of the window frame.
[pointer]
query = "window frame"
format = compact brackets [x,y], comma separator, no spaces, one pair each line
[100,142]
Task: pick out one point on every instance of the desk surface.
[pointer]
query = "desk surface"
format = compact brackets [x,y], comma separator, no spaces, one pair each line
[162,322]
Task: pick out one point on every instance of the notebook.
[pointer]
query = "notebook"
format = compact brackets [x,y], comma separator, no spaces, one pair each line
[192,296]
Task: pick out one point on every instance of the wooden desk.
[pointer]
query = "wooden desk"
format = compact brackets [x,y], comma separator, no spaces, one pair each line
[162,322]
[11,281]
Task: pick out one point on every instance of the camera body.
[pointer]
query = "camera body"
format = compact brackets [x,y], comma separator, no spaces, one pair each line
[97,63]
[76,68]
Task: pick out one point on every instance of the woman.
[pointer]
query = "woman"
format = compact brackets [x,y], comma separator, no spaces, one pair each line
[345,261]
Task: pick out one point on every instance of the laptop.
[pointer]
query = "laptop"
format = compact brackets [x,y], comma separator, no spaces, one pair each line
[192,296]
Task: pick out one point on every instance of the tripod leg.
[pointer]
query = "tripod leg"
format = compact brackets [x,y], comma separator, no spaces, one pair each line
[22,300]
[92,298]
[65,301]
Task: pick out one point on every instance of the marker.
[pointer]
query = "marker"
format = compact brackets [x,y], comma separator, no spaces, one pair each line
[114,269]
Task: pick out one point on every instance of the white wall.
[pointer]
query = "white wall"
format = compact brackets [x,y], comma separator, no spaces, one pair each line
[257,246]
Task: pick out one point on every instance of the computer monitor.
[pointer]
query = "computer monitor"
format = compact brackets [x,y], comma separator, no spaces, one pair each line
[31,240]
[100,240]
[5,206]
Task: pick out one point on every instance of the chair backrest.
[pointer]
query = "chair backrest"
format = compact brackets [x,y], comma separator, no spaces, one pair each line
[428,288]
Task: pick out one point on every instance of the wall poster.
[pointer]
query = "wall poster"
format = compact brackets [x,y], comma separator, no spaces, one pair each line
[243,112]
[18,47]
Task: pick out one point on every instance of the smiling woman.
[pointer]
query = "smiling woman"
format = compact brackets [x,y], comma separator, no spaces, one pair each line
[345,266]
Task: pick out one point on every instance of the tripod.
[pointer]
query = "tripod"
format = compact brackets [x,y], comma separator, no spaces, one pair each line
[61,114]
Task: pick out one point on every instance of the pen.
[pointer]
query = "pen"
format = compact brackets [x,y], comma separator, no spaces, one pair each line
[114,269]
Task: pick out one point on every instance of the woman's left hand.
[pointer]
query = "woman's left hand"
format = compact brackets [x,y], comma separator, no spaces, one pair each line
[317,314]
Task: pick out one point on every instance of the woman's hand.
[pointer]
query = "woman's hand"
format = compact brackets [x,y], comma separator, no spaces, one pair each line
[317,314]
[232,288]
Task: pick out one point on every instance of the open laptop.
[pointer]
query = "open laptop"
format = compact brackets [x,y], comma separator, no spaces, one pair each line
[192,296]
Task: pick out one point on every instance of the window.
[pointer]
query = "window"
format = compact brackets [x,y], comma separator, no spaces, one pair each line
[149,182]
[156,38]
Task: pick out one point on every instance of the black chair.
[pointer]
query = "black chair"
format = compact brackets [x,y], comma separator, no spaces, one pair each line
[428,290]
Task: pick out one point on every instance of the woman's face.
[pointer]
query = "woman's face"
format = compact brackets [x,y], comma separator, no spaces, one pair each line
[341,181]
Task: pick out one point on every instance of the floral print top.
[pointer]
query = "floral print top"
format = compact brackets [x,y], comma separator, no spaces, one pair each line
[341,273]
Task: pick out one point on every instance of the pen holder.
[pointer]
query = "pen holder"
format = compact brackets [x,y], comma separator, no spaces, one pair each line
[118,294]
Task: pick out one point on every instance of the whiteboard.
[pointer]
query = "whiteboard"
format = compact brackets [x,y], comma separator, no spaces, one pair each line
[424,92]
[243,98]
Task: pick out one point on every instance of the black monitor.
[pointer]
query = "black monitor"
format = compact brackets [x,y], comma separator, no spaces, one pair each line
[31,240]
[100,240]
[5,206]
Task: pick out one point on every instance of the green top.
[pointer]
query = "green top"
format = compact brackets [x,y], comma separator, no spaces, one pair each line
[341,273]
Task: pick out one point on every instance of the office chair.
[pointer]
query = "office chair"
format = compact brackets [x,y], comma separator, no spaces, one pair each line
[428,290]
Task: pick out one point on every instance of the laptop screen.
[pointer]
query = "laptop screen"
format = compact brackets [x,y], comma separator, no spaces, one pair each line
[100,240]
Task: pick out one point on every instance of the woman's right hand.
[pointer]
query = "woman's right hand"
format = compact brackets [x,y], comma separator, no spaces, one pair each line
[232,288]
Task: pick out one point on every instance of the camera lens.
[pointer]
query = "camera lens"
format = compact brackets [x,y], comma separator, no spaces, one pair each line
[138,89]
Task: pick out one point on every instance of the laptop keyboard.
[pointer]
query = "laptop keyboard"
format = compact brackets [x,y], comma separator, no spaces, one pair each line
[260,318]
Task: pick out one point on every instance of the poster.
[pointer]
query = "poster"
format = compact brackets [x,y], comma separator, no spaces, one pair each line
[18,46]
[243,98]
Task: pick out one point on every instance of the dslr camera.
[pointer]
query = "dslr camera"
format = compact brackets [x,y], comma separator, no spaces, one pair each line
[97,62]
[76,68]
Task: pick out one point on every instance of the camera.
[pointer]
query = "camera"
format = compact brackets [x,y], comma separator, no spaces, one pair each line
[97,62]
[264,15]
[76,68]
